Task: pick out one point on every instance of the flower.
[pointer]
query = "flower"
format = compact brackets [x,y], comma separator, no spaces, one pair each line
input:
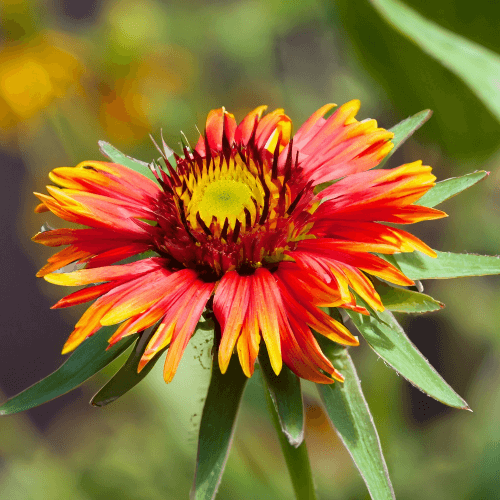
[239,228]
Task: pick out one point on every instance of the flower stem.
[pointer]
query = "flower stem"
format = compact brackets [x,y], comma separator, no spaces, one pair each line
[297,460]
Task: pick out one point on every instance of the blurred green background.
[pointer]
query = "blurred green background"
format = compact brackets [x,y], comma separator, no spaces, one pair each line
[72,73]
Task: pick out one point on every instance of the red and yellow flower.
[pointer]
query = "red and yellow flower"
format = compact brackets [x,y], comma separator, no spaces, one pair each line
[239,228]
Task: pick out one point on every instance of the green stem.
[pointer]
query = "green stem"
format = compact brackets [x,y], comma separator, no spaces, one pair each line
[297,459]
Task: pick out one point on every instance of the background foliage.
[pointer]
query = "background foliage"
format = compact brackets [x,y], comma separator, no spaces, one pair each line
[72,73]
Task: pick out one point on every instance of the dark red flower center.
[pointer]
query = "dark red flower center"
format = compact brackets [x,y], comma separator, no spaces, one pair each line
[231,211]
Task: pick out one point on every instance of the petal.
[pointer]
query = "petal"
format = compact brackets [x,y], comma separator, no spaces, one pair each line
[365,261]
[169,296]
[370,237]
[269,124]
[312,124]
[295,357]
[146,291]
[249,340]
[245,129]
[61,259]
[109,273]
[117,254]
[312,352]
[314,317]
[109,179]
[339,146]
[230,307]
[185,326]
[265,306]
[84,295]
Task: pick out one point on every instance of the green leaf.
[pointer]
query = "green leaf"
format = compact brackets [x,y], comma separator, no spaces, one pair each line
[449,188]
[405,129]
[349,413]
[394,347]
[127,377]
[286,396]
[418,266]
[89,357]
[118,157]
[217,428]
[406,301]
[296,458]
[476,65]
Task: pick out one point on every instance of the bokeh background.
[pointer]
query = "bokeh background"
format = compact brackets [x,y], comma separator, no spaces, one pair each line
[72,73]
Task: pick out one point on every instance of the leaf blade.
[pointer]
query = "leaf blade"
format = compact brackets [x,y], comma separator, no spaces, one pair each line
[405,129]
[349,413]
[118,157]
[88,358]
[407,301]
[450,187]
[126,378]
[296,457]
[476,65]
[418,266]
[396,349]
[217,428]
[286,396]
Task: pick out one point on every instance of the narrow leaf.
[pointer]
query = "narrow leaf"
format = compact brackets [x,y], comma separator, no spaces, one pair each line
[89,358]
[296,458]
[118,157]
[476,65]
[449,188]
[418,266]
[406,301]
[405,129]
[286,396]
[393,346]
[349,413]
[127,377]
[217,428]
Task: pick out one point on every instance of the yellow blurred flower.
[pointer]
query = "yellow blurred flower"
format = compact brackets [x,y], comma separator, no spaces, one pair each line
[32,75]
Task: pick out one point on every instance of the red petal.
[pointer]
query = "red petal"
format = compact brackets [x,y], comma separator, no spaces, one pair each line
[191,312]
[84,295]
[230,307]
[245,129]
[109,273]
[264,298]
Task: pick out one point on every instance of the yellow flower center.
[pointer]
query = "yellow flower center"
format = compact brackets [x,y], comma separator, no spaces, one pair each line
[223,199]
[223,191]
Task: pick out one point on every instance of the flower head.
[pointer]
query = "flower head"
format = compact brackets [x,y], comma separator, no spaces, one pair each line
[239,228]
